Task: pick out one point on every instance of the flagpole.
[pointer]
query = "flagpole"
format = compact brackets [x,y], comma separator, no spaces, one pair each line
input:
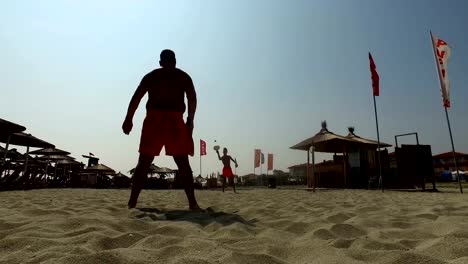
[378,146]
[446,112]
[453,150]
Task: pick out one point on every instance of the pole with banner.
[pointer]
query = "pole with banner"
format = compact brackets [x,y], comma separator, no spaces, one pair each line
[442,53]
[376,92]
[256,159]
[202,153]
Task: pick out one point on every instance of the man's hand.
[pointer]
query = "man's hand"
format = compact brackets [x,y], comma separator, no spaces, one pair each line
[127,126]
[189,125]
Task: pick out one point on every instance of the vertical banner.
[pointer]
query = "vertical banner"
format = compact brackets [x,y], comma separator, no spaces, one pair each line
[270,162]
[257,158]
[202,147]
[442,53]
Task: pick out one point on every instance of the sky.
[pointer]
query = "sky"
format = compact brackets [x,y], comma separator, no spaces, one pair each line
[266,72]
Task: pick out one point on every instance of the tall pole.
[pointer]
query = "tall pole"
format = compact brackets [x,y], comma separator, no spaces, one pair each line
[453,150]
[200,167]
[313,168]
[378,147]
[6,149]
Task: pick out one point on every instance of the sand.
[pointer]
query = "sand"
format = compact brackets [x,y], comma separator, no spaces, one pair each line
[254,226]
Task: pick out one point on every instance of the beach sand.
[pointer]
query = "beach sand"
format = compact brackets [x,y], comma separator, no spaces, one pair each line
[255,226]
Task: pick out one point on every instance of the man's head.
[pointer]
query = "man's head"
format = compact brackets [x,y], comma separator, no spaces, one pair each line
[224,151]
[167,59]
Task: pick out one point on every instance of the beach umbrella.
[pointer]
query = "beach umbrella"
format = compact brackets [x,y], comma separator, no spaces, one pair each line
[366,143]
[49,151]
[6,129]
[56,157]
[101,168]
[324,141]
[56,154]
[27,140]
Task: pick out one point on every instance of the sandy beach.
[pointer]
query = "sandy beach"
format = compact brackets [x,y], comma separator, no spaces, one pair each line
[254,226]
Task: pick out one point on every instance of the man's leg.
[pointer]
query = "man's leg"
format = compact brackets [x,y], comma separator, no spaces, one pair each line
[139,178]
[223,180]
[233,184]
[185,173]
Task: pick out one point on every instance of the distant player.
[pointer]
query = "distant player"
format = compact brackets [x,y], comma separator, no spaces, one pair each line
[227,171]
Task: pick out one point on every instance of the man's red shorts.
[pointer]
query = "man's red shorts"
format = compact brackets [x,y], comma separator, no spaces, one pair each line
[227,172]
[168,129]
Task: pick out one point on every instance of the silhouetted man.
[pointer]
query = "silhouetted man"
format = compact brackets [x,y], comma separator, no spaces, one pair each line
[227,171]
[164,124]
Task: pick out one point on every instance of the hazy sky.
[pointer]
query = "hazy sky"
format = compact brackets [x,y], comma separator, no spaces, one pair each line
[266,72]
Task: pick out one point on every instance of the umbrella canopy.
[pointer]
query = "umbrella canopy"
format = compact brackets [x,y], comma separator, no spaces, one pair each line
[367,142]
[163,170]
[326,141]
[27,140]
[101,168]
[11,154]
[155,169]
[68,162]
[7,127]
[121,175]
[49,151]
[56,157]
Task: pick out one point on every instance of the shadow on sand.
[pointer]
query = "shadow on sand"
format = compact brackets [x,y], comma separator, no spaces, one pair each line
[202,218]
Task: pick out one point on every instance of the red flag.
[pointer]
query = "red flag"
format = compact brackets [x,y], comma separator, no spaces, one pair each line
[257,158]
[270,162]
[374,76]
[202,148]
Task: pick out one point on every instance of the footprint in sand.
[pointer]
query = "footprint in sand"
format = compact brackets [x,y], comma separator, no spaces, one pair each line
[347,231]
[339,218]
[342,243]
[428,216]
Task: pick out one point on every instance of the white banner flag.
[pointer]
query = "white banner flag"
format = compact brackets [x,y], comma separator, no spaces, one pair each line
[442,55]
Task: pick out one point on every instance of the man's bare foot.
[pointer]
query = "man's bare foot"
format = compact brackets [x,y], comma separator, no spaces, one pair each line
[131,204]
[195,208]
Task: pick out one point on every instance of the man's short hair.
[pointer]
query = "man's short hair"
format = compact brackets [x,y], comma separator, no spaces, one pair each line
[167,56]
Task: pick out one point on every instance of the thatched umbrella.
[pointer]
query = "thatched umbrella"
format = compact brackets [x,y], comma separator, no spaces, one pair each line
[56,154]
[27,140]
[6,129]
[367,143]
[101,168]
[153,169]
[49,151]
[324,141]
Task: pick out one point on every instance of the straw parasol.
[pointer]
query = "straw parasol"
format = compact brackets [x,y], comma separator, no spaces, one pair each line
[49,151]
[27,140]
[324,141]
[7,127]
[372,144]
[56,157]
[101,168]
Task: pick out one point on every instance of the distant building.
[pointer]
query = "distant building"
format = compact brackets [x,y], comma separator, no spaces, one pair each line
[444,162]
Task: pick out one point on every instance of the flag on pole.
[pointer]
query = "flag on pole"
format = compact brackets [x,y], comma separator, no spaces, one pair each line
[442,54]
[202,147]
[257,158]
[374,76]
[270,162]
[263,158]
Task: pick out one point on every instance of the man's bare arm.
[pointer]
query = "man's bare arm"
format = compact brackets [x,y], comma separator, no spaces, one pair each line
[135,101]
[191,100]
